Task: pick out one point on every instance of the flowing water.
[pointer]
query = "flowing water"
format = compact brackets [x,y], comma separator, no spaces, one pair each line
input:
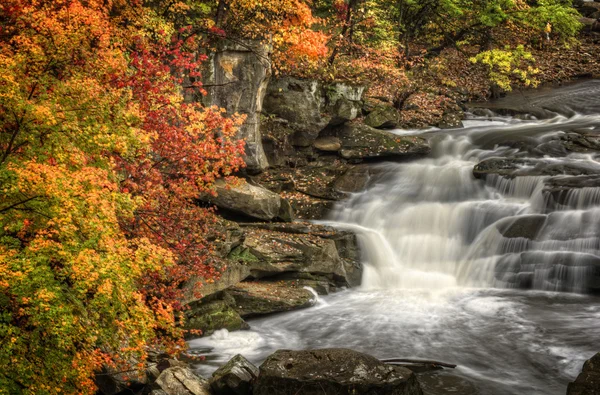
[494,275]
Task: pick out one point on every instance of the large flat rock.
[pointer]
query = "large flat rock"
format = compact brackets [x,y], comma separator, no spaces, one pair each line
[588,381]
[249,200]
[360,141]
[332,371]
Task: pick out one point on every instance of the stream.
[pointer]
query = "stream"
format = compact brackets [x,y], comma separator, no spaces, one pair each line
[499,275]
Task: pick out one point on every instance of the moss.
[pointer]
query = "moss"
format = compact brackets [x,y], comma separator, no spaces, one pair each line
[242,254]
[215,315]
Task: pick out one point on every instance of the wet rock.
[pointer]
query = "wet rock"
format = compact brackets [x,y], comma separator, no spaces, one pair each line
[588,381]
[332,371]
[364,142]
[451,121]
[515,167]
[234,378]
[382,117]
[554,270]
[212,314]
[527,226]
[571,192]
[273,250]
[180,381]
[250,200]
[237,81]
[442,383]
[260,298]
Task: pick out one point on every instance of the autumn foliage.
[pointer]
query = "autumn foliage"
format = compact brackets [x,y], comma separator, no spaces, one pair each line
[103,152]
[100,161]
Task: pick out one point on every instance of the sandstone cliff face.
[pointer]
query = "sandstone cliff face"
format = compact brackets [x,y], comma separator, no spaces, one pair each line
[237,80]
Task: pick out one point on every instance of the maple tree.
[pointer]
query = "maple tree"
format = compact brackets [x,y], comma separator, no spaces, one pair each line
[100,162]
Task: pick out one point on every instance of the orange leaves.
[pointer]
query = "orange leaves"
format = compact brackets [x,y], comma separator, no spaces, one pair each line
[100,162]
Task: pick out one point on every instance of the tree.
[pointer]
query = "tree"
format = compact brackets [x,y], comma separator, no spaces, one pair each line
[100,160]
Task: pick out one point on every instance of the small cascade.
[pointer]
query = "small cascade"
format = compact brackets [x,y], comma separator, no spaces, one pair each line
[430,224]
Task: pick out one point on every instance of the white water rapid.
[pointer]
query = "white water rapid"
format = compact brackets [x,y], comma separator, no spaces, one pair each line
[429,224]
[499,275]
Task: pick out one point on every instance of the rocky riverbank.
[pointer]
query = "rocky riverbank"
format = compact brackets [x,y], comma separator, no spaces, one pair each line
[324,371]
[310,145]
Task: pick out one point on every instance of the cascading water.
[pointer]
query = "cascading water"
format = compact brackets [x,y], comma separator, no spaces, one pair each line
[464,269]
[429,224]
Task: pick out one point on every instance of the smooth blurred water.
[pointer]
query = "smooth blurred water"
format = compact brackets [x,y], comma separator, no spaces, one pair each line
[430,236]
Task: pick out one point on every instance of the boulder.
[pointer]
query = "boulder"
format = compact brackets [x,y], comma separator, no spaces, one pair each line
[271,250]
[112,382]
[309,207]
[451,121]
[332,371]
[588,381]
[364,142]
[261,298]
[234,378]
[180,380]
[237,80]
[382,117]
[214,313]
[309,106]
[250,200]
[344,110]
[299,102]
[328,144]
[526,226]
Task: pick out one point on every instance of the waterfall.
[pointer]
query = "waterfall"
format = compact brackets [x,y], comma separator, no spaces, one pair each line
[430,224]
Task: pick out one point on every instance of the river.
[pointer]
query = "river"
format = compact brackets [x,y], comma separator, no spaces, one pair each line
[447,278]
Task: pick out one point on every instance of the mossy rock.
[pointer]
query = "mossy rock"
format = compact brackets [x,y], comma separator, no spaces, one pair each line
[364,142]
[241,254]
[383,117]
[211,316]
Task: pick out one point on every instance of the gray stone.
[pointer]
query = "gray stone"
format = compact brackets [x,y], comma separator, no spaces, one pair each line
[300,102]
[237,80]
[383,117]
[365,142]
[273,249]
[328,144]
[272,252]
[260,298]
[309,106]
[244,198]
[180,381]
[197,288]
[211,315]
[588,381]
[527,226]
[234,378]
[332,371]
[344,110]
[515,167]
[451,121]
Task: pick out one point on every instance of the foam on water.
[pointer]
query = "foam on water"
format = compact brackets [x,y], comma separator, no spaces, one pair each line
[438,270]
